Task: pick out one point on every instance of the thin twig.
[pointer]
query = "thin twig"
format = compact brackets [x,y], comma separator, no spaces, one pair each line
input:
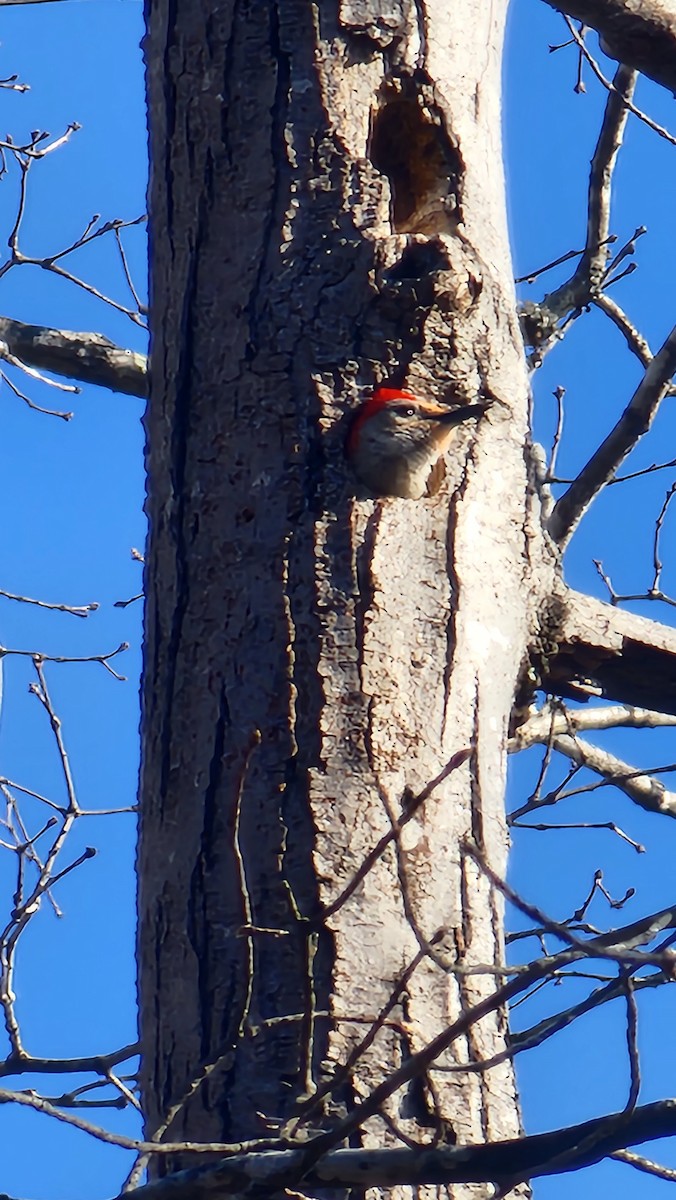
[632,425]
[80,610]
[611,87]
[40,656]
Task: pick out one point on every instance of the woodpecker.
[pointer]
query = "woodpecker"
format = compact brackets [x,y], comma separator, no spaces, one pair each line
[396,442]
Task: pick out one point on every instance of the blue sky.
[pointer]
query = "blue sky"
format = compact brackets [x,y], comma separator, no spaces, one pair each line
[550,135]
[75,510]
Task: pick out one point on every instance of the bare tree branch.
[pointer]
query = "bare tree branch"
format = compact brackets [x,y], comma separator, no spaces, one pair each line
[601,650]
[554,719]
[528,1039]
[100,1064]
[645,1164]
[591,269]
[643,36]
[540,320]
[634,339]
[517,1159]
[642,116]
[632,425]
[89,357]
[558,727]
[643,789]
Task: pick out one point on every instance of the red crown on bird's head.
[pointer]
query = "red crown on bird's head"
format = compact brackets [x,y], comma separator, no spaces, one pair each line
[379,398]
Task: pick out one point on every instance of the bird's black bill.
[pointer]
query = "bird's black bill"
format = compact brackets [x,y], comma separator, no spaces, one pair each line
[455,416]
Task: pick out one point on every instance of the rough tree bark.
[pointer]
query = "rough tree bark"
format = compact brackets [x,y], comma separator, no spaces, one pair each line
[328,212]
[312,655]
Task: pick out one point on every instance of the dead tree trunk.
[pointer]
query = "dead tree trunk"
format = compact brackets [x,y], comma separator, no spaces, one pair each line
[328,212]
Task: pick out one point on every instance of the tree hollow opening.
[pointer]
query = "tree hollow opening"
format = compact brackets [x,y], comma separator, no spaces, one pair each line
[411,147]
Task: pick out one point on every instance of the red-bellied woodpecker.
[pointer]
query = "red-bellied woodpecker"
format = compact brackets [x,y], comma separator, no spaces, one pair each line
[396,442]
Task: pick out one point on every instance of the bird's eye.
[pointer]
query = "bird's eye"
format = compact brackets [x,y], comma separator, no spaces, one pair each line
[404,410]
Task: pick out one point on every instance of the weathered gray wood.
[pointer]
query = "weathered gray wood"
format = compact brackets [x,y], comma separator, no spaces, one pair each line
[88,357]
[591,648]
[310,655]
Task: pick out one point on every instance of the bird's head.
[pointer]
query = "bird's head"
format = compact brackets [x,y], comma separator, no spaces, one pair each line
[396,439]
[392,414]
